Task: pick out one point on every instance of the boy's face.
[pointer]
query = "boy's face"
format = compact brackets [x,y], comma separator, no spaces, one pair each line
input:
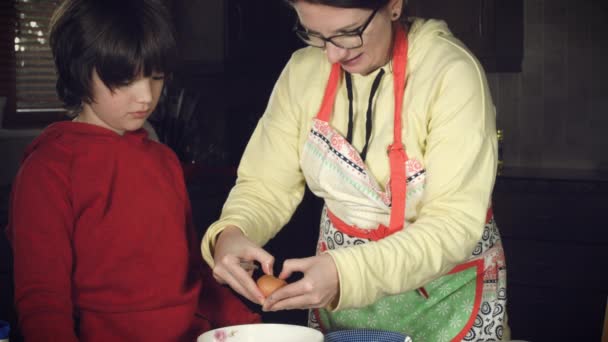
[125,108]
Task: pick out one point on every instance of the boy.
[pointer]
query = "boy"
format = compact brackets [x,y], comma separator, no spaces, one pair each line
[100,220]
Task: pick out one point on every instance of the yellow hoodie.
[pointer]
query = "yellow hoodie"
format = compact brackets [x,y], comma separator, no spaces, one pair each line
[449,126]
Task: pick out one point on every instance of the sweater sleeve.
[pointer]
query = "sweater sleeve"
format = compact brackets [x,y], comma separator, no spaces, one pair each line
[460,161]
[270,183]
[39,230]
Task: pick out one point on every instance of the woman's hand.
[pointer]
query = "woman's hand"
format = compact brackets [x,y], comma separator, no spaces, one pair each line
[317,289]
[231,249]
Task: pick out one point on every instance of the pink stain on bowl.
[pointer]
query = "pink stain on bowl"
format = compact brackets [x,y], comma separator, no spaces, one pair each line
[220,336]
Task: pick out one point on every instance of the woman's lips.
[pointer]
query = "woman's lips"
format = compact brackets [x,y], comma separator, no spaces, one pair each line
[351,62]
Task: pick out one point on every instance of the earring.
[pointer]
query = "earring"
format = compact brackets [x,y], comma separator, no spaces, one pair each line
[395,15]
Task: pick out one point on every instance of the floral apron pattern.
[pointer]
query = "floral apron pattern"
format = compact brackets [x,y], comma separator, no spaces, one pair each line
[466,304]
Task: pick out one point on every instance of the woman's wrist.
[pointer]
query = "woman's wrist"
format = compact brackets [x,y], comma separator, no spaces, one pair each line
[227,231]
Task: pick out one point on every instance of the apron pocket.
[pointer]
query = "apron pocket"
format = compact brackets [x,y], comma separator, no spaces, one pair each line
[454,298]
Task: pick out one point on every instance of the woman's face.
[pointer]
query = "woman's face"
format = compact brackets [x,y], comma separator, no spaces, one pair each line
[328,21]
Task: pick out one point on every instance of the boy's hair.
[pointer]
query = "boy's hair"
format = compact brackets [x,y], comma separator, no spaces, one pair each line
[371,4]
[119,39]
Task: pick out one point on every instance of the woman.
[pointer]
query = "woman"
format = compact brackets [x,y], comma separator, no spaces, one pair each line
[391,122]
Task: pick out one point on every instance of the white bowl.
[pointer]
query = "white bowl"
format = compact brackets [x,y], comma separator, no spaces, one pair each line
[262,333]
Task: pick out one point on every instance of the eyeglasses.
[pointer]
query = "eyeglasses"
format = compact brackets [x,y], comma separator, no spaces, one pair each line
[348,40]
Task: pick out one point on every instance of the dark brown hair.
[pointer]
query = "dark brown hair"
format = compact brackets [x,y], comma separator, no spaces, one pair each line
[119,39]
[372,4]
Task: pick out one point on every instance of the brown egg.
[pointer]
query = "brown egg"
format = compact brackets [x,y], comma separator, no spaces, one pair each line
[268,284]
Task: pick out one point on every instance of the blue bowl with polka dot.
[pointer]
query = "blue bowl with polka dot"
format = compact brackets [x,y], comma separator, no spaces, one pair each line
[365,335]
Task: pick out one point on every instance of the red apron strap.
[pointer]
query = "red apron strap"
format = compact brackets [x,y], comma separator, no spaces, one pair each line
[396,151]
[352,230]
[330,93]
[489,214]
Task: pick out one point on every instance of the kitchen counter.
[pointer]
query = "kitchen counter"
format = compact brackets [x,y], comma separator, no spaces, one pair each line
[554,174]
[556,244]
[12,144]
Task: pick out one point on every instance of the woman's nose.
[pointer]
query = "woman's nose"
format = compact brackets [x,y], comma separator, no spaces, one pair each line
[334,53]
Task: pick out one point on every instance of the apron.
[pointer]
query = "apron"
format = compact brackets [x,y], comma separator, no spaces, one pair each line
[468,303]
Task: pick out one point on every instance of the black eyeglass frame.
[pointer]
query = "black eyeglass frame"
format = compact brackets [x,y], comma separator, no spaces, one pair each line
[302,34]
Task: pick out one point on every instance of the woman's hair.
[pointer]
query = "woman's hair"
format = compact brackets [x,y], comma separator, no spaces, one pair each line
[371,4]
[119,39]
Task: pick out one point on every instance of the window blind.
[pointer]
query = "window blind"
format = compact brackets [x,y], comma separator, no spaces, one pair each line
[34,69]
[7,53]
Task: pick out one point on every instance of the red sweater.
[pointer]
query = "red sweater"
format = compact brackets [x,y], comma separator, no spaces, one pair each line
[100,231]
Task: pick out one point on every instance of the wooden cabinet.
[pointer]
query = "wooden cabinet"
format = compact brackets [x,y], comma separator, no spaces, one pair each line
[556,245]
[259,37]
[492,29]
[235,37]
[254,37]
[232,52]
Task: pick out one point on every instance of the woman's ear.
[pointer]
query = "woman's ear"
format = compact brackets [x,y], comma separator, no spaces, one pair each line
[396,7]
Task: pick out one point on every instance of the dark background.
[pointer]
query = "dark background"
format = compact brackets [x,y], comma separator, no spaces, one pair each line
[546,64]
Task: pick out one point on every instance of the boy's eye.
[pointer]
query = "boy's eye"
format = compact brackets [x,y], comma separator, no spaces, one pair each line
[158,77]
[125,83]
